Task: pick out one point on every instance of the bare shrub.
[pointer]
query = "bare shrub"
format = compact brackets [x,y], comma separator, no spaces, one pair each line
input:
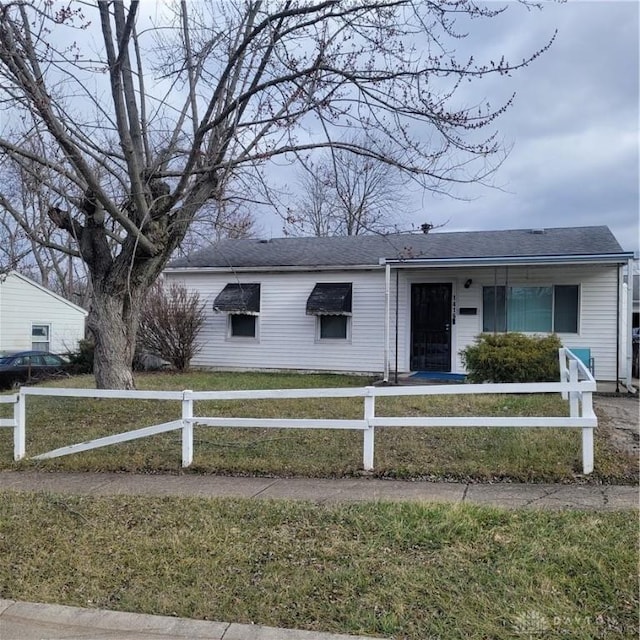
[170,322]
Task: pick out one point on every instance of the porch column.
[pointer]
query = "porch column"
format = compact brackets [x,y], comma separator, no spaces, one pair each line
[387,311]
[628,337]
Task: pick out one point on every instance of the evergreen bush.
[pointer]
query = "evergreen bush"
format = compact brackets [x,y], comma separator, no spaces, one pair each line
[82,359]
[512,357]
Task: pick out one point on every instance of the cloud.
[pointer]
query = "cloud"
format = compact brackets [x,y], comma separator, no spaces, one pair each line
[572,130]
[573,126]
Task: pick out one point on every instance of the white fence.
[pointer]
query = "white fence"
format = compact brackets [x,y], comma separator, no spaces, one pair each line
[576,385]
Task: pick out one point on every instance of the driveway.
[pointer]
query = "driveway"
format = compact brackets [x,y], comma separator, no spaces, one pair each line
[620,415]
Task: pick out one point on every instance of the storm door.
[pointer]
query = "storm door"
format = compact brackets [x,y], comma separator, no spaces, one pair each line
[431,327]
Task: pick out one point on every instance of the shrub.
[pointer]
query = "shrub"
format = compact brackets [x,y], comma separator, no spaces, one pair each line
[82,359]
[512,357]
[169,324]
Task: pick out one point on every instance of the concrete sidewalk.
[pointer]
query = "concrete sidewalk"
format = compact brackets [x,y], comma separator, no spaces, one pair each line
[547,496]
[31,621]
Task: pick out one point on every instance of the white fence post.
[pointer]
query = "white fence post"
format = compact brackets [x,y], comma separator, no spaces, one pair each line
[20,428]
[187,428]
[581,405]
[587,434]
[369,433]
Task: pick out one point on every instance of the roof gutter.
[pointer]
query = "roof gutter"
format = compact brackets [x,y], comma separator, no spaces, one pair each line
[280,269]
[604,258]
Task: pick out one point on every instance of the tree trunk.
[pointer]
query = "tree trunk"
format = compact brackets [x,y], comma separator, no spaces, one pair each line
[113,323]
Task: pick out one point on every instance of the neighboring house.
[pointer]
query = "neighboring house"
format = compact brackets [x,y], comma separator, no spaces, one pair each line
[405,302]
[32,317]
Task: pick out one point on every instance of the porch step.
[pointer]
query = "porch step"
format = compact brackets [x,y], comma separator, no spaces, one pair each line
[413,379]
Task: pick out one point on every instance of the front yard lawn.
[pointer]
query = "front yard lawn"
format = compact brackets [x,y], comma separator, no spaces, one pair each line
[531,455]
[406,571]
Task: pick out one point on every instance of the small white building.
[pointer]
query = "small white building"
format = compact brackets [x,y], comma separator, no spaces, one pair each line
[32,317]
[406,302]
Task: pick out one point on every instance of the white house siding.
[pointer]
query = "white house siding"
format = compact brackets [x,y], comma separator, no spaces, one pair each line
[286,334]
[24,303]
[597,312]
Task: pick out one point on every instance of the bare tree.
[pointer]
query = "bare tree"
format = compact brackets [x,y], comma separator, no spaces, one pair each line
[217,221]
[21,249]
[313,213]
[13,248]
[145,124]
[21,235]
[348,194]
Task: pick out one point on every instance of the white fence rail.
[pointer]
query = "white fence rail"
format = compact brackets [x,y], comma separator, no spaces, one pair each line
[576,385]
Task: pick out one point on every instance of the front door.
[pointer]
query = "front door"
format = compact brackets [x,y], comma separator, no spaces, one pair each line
[431,327]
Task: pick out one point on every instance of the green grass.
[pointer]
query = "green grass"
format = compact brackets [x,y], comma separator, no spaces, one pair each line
[405,571]
[531,455]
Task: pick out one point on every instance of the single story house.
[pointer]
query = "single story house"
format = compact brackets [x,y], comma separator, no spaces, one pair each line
[406,302]
[32,317]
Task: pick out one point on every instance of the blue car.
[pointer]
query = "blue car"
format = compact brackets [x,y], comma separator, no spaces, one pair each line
[23,367]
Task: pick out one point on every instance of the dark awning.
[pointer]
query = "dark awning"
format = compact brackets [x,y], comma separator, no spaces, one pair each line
[238,298]
[330,298]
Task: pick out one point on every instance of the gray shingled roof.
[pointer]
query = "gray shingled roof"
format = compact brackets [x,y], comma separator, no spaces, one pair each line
[368,250]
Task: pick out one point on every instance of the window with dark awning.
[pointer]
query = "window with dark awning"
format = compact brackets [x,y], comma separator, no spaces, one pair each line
[330,298]
[238,298]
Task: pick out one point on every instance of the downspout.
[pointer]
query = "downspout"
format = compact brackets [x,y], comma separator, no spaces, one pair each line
[387,311]
[618,320]
[506,299]
[495,300]
[628,337]
[397,313]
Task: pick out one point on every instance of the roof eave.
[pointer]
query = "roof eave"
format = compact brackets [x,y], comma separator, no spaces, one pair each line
[497,261]
[272,269]
[602,258]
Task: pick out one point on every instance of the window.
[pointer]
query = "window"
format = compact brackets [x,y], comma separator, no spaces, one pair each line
[330,302]
[242,326]
[28,361]
[40,337]
[333,327]
[241,301]
[565,310]
[531,309]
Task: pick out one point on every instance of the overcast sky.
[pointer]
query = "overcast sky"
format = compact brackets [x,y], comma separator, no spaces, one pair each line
[573,127]
[572,130]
